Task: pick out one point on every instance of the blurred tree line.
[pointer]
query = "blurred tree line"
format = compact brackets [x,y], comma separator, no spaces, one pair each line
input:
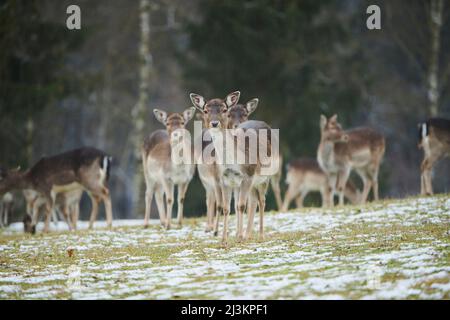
[61,89]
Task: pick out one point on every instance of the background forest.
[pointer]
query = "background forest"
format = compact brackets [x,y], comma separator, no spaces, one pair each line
[61,89]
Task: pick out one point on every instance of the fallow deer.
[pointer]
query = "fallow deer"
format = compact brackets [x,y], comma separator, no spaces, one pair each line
[247,177]
[84,167]
[239,114]
[341,151]
[67,204]
[161,172]
[304,175]
[434,139]
[6,207]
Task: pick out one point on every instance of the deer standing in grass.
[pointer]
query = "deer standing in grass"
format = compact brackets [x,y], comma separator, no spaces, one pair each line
[304,175]
[247,177]
[239,114]
[434,139]
[86,168]
[162,173]
[67,203]
[341,151]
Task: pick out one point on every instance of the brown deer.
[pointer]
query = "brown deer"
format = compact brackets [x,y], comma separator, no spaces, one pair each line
[341,151]
[434,139]
[304,175]
[247,176]
[161,172]
[67,203]
[239,114]
[6,207]
[84,167]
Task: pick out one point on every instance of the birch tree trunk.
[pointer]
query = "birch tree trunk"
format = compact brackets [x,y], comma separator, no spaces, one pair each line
[139,110]
[29,140]
[436,11]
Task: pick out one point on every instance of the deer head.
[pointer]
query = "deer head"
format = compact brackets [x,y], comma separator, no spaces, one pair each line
[240,113]
[215,111]
[331,130]
[175,123]
[28,226]
[9,179]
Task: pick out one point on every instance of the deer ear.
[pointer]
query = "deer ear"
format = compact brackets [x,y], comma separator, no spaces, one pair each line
[252,105]
[188,114]
[160,115]
[232,98]
[323,122]
[198,101]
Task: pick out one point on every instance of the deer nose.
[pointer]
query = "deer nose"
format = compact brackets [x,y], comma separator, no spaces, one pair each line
[214,124]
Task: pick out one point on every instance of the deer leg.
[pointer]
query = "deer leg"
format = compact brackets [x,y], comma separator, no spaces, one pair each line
[251,210]
[218,197]
[245,191]
[426,176]
[341,183]
[148,202]
[182,188]
[299,201]
[376,195]
[49,210]
[427,169]
[239,218]
[168,190]
[108,209]
[75,215]
[331,181]
[159,198]
[262,206]
[291,193]
[422,183]
[94,211]
[324,195]
[2,212]
[275,182]
[35,212]
[367,184]
[210,208]
[226,201]
[65,212]
[55,217]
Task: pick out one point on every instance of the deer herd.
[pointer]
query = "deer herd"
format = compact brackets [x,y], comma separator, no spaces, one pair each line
[56,183]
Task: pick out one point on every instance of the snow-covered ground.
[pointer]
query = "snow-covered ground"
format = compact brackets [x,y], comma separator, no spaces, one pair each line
[392,250]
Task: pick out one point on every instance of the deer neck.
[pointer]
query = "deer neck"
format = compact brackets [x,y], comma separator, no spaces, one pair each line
[181,148]
[326,152]
[218,140]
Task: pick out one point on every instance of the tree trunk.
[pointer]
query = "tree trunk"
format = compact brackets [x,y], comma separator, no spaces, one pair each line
[437,8]
[139,110]
[29,140]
